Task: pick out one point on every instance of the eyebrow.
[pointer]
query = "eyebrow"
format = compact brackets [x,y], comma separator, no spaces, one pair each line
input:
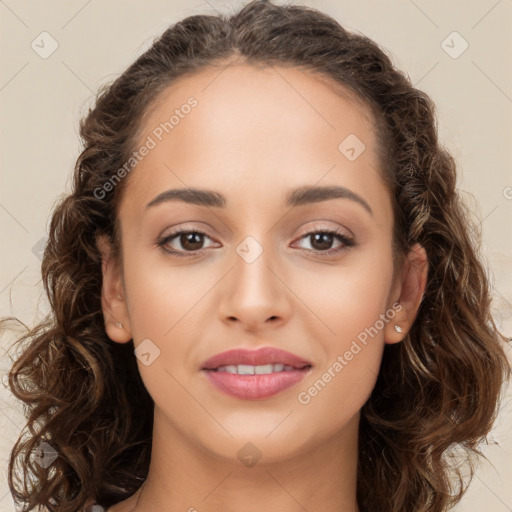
[298,197]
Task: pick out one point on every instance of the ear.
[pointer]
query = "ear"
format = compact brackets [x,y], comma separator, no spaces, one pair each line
[408,293]
[113,304]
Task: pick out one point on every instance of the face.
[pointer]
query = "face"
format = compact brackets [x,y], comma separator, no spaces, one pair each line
[269,265]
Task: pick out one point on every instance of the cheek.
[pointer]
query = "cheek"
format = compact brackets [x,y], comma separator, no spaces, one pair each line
[168,305]
[347,298]
[163,309]
[163,296]
[352,304]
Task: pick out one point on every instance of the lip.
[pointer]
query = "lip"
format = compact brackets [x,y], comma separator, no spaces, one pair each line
[262,356]
[255,387]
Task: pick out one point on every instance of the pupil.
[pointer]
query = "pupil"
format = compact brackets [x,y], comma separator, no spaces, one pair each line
[187,240]
[324,239]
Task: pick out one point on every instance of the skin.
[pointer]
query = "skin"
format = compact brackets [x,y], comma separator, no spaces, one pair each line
[256,133]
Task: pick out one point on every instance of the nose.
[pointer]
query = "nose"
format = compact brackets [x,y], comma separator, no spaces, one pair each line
[254,294]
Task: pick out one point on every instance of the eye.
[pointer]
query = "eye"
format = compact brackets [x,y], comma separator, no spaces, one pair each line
[321,240]
[191,241]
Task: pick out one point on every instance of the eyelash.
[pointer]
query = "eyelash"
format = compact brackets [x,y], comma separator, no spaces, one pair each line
[344,239]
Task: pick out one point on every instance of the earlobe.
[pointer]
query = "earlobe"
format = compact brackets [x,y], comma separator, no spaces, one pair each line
[396,329]
[412,287]
[113,304]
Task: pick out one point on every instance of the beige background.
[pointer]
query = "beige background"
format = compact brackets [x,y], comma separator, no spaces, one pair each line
[42,99]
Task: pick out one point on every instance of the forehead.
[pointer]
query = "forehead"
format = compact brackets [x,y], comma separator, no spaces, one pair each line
[264,125]
[228,92]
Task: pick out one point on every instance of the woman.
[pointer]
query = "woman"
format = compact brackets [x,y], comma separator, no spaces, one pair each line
[264,291]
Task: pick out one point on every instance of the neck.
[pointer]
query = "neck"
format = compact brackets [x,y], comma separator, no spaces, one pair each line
[183,476]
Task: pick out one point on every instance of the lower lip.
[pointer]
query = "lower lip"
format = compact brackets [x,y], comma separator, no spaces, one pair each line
[255,387]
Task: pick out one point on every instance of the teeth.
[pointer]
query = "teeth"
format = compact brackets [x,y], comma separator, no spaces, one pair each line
[245,369]
[248,369]
[229,369]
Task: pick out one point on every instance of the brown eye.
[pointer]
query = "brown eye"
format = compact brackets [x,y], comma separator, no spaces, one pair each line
[191,241]
[321,241]
[182,242]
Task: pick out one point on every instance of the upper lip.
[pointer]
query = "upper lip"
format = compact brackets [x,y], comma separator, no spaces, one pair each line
[262,356]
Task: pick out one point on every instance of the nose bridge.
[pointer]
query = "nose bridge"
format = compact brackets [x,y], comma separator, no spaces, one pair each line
[255,294]
[253,280]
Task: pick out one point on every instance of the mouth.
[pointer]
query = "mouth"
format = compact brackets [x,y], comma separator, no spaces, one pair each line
[255,374]
[263,369]
[263,360]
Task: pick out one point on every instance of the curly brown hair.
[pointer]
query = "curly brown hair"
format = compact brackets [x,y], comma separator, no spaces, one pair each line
[439,388]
